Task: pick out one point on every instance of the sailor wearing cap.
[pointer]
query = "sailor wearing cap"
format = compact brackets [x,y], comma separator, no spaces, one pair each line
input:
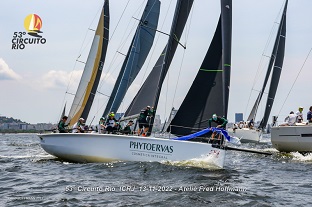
[79,126]
[299,114]
[221,123]
[101,126]
[111,123]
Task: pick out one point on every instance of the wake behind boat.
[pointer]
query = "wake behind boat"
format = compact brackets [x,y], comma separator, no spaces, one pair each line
[93,147]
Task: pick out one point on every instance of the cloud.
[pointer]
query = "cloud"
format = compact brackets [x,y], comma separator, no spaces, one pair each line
[60,79]
[7,73]
[64,79]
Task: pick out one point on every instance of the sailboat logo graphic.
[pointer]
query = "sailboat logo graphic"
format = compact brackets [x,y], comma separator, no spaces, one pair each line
[33,24]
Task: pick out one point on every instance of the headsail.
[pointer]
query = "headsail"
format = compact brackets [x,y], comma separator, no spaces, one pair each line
[63,112]
[277,69]
[210,90]
[150,90]
[92,71]
[137,53]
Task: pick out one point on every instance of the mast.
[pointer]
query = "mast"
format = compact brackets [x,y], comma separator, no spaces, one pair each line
[92,72]
[254,110]
[277,69]
[150,90]
[136,56]
[212,80]
[226,28]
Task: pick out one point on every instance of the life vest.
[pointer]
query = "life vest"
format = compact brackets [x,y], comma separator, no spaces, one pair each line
[110,122]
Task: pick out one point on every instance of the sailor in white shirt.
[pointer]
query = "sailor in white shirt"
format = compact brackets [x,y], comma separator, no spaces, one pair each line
[79,126]
[290,120]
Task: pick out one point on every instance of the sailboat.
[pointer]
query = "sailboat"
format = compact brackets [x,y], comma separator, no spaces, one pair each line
[274,69]
[296,138]
[138,51]
[93,147]
[92,72]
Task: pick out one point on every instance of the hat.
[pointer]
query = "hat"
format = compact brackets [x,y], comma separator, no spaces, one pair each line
[111,114]
[214,116]
[81,119]
[300,107]
[102,118]
[148,107]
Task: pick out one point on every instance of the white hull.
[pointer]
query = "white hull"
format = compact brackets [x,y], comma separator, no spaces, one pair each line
[246,134]
[292,138]
[88,147]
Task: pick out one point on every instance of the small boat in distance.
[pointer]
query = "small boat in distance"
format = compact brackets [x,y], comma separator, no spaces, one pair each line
[274,70]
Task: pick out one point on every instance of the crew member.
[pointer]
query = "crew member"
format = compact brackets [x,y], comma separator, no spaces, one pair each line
[111,123]
[299,114]
[61,125]
[127,128]
[221,123]
[144,120]
[309,115]
[79,126]
[101,126]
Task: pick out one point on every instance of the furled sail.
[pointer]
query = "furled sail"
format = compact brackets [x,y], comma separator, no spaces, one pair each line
[92,70]
[209,92]
[150,90]
[277,69]
[137,53]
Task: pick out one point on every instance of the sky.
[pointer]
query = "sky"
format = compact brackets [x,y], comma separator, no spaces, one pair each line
[37,81]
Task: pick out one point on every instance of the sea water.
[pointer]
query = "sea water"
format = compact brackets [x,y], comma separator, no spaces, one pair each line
[31,177]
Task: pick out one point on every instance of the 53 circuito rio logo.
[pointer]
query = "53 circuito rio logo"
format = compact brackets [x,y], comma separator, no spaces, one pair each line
[32,25]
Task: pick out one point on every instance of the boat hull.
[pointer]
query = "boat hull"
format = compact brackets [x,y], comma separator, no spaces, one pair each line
[89,147]
[246,135]
[292,138]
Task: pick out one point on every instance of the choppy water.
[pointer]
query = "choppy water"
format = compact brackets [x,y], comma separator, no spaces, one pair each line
[31,177]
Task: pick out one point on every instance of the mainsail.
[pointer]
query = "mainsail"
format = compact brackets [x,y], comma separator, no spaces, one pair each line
[277,69]
[209,92]
[137,53]
[150,90]
[92,70]
[276,59]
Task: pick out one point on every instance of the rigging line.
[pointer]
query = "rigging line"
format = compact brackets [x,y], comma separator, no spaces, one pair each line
[175,38]
[115,55]
[259,71]
[103,94]
[119,19]
[82,48]
[122,44]
[153,50]
[126,36]
[187,33]
[154,45]
[261,64]
[295,81]
[119,47]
